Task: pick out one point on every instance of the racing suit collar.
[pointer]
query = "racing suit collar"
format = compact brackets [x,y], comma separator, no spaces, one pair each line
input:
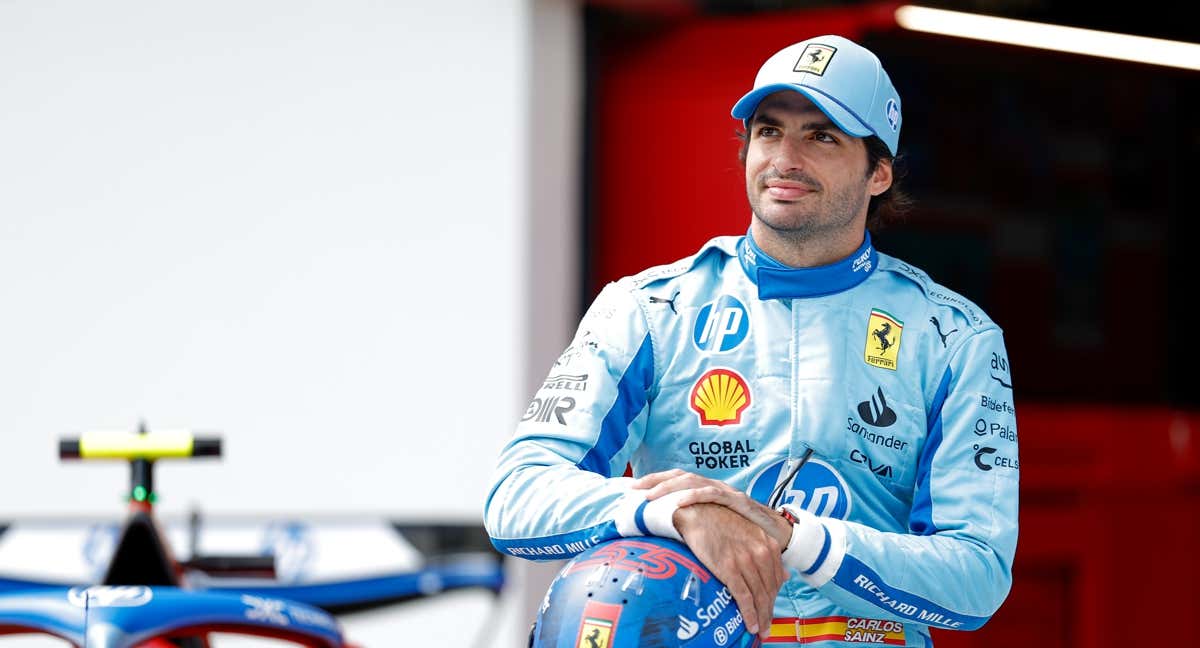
[775,280]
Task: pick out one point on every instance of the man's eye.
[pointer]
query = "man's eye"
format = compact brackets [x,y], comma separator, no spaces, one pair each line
[822,136]
[767,131]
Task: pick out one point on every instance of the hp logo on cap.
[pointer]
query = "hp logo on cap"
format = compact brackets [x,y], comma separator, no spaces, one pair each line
[892,110]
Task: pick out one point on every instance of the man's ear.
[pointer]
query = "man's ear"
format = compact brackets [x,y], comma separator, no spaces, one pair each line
[881,177]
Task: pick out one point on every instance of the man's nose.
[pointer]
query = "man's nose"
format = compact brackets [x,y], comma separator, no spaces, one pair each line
[790,155]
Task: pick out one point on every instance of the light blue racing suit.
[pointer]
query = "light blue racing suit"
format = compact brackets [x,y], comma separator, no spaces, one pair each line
[732,366]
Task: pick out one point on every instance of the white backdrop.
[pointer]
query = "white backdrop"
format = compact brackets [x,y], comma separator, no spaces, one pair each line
[301,226]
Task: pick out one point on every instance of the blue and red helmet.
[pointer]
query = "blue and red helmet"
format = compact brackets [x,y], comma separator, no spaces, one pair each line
[639,592]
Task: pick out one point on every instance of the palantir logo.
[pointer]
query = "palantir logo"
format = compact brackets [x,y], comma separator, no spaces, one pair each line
[816,488]
[721,325]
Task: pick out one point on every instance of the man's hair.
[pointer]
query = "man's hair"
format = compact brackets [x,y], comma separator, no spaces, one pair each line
[883,209]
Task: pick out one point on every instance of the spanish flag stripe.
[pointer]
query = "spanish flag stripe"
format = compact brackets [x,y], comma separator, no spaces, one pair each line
[784,630]
[833,636]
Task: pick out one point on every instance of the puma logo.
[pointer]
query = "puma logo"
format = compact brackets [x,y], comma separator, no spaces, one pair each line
[670,302]
[937,325]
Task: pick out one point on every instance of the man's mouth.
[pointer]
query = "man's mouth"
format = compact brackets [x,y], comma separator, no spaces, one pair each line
[787,189]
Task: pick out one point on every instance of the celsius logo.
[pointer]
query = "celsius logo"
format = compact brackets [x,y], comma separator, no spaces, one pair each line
[876,411]
[721,325]
[980,455]
[816,488]
[984,459]
[687,628]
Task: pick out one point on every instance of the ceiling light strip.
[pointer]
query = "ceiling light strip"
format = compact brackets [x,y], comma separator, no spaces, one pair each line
[1138,49]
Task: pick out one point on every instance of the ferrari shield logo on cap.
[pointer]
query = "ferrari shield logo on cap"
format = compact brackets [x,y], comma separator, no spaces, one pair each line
[814,58]
[596,631]
[883,339]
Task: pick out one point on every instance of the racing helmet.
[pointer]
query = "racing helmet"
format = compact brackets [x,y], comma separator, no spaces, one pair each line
[646,592]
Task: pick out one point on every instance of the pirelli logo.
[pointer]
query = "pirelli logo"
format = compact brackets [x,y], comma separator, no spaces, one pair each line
[883,339]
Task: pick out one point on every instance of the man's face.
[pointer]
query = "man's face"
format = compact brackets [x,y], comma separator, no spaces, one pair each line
[804,176]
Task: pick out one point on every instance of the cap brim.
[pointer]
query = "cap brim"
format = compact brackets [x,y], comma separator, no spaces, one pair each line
[842,118]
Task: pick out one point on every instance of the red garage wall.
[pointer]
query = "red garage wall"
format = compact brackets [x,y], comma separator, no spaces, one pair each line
[666,176]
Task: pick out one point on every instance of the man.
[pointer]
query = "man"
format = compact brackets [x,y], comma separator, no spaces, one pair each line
[792,389]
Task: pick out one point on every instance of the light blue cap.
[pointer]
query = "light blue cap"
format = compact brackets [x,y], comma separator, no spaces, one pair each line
[844,79]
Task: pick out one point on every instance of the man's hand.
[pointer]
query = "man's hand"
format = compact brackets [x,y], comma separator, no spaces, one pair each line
[740,555]
[704,490]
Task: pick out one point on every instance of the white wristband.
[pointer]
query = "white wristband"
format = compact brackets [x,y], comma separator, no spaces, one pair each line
[816,547]
[641,517]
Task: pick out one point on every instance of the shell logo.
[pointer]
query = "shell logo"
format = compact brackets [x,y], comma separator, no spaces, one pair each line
[720,397]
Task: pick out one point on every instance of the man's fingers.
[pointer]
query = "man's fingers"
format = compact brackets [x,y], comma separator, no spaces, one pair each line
[705,495]
[763,563]
[744,598]
[686,481]
[736,501]
[738,552]
[760,565]
[654,479]
[780,576]
[680,482]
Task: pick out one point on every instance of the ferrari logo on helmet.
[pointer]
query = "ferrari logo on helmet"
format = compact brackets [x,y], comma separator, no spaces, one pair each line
[599,621]
[814,59]
[720,397]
